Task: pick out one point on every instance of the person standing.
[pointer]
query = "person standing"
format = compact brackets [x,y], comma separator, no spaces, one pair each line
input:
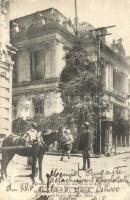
[85,144]
[33,135]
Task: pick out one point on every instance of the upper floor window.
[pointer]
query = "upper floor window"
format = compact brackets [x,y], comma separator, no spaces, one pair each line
[118,81]
[14,109]
[37,62]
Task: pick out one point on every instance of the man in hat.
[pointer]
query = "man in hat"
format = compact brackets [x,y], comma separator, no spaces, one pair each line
[85,144]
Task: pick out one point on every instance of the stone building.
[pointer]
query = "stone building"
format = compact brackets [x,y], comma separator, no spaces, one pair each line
[117,72]
[41,39]
[6,66]
[114,69]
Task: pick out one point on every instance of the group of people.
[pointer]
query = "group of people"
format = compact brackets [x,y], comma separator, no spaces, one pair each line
[85,140]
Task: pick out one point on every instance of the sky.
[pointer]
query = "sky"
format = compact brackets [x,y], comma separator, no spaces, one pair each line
[97,12]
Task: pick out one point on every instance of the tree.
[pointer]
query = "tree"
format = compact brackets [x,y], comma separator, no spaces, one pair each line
[79,86]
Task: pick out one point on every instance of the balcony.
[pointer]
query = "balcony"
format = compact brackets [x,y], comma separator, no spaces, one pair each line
[119,94]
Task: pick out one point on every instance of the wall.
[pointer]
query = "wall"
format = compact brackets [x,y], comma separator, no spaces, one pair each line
[25,105]
[53,103]
[23,65]
[60,62]
[52,61]
[6,65]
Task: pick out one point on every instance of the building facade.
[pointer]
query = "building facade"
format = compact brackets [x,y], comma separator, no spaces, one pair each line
[41,39]
[115,130]
[6,67]
[114,69]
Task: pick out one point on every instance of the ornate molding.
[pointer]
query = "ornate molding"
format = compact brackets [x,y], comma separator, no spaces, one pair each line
[38,20]
[4,56]
[41,19]
[52,16]
[16,28]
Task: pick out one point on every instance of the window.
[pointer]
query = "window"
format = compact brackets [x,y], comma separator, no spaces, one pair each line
[39,106]
[118,81]
[37,63]
[15,74]
[14,109]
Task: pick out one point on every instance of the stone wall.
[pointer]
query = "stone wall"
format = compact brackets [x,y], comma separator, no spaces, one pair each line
[25,107]
[6,65]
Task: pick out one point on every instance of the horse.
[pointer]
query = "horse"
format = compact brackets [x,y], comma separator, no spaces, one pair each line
[36,151]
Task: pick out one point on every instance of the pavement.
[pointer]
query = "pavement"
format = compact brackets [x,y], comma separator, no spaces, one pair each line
[18,174]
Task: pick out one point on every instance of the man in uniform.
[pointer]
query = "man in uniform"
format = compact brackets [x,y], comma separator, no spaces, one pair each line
[85,144]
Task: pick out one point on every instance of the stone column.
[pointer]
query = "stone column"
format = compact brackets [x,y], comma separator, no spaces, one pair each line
[53,58]
[47,63]
[111,78]
[108,137]
[59,60]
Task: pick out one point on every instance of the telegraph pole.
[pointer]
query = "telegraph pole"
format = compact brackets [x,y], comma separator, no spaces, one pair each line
[99,95]
[76,18]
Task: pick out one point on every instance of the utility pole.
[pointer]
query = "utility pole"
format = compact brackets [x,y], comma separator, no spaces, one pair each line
[76,18]
[99,94]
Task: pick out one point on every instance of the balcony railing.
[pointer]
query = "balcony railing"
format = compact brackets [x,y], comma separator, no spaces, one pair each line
[120,93]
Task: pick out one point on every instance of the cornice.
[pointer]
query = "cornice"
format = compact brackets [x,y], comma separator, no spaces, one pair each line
[35,87]
[108,54]
[39,82]
[36,32]
[33,91]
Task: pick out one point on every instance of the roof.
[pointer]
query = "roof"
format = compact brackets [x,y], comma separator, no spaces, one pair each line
[40,11]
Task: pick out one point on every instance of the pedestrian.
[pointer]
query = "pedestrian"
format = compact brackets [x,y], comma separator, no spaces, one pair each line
[85,144]
[69,136]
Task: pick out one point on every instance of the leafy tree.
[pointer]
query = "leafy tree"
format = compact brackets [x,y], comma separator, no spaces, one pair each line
[79,86]
[53,121]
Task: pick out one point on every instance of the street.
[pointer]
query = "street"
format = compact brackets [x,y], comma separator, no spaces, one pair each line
[17,167]
[118,166]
